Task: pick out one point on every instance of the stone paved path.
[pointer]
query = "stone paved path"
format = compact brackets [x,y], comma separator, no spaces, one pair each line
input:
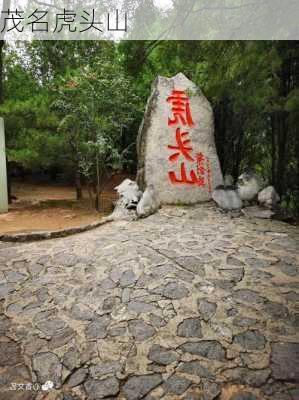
[187,304]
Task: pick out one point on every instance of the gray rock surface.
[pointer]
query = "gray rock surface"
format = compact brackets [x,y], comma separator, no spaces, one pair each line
[149,202]
[157,133]
[127,302]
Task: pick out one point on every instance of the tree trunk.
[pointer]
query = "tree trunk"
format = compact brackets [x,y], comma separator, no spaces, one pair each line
[78,184]
[98,184]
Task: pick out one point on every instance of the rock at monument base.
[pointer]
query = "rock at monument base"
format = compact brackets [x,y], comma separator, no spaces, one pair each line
[148,204]
[268,197]
[176,147]
[125,207]
[248,186]
[227,199]
[129,191]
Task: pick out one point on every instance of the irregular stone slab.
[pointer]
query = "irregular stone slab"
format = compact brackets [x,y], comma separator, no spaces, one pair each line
[249,296]
[210,349]
[243,396]
[128,278]
[177,384]
[235,261]
[195,368]
[192,264]
[207,309]
[51,327]
[285,361]
[78,377]
[244,321]
[71,359]
[190,327]
[186,174]
[62,338]
[161,355]
[99,389]
[137,387]
[81,312]
[105,368]
[97,329]
[140,307]
[245,376]
[250,340]
[47,368]
[141,330]
[172,290]
[14,277]
[10,353]
[276,310]
[5,289]
[210,390]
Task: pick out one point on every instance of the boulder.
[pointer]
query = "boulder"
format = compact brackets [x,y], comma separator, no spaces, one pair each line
[149,203]
[227,199]
[268,197]
[176,146]
[248,186]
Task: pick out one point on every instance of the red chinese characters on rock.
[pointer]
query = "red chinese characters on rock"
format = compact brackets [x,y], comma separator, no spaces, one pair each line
[200,171]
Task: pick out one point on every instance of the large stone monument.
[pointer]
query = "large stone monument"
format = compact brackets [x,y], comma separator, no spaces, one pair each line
[176,146]
[3,176]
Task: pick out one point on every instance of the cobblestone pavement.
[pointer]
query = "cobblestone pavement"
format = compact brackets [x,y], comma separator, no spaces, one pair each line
[186,304]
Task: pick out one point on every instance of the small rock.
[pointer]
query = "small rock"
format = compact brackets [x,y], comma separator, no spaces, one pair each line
[268,197]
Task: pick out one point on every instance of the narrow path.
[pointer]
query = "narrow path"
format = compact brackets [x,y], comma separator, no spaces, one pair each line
[187,304]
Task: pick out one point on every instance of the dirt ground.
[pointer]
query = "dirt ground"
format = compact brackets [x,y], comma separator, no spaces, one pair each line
[51,207]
